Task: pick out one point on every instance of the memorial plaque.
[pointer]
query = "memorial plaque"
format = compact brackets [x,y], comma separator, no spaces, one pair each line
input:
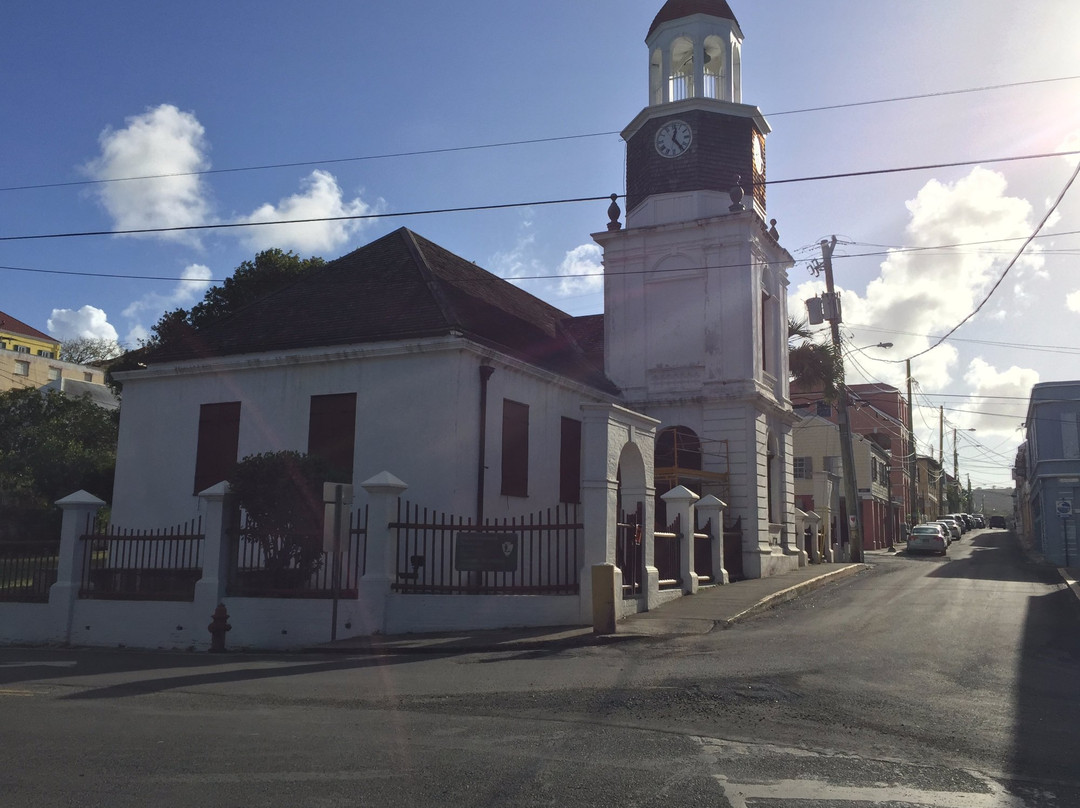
[486,552]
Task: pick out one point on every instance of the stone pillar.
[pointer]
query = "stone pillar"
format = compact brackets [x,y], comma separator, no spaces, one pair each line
[680,500]
[79,510]
[221,528]
[712,510]
[800,536]
[815,525]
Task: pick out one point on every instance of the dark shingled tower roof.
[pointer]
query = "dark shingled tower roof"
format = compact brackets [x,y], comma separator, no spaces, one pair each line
[677,9]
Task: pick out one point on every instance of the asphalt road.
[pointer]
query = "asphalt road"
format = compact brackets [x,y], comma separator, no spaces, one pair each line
[934,682]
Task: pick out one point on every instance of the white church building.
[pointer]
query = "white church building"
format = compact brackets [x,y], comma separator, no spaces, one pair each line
[643,439]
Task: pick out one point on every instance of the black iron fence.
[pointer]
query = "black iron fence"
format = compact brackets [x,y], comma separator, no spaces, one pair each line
[667,544]
[536,554]
[27,570]
[136,565]
[298,566]
[703,555]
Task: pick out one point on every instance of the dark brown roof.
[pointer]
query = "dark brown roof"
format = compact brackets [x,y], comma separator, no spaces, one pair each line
[399,287]
[16,326]
[677,9]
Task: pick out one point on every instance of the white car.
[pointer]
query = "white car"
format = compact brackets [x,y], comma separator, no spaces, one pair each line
[928,538]
[952,527]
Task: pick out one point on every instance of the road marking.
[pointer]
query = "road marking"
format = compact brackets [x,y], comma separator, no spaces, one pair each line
[989,793]
[9,692]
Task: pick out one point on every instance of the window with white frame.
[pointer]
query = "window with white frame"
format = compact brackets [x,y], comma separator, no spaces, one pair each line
[804,468]
[22,368]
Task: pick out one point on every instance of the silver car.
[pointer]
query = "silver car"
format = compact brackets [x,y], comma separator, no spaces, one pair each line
[928,538]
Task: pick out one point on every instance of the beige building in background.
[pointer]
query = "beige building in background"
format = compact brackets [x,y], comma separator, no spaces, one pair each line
[30,358]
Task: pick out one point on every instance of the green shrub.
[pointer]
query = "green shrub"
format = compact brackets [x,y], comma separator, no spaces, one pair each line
[281,494]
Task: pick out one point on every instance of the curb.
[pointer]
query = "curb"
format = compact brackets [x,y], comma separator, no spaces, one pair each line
[789,594]
[571,637]
[1070,582]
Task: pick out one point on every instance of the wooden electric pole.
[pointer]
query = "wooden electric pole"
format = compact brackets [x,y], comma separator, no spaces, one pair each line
[851,491]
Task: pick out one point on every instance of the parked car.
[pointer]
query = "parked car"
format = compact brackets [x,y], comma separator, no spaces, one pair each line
[928,538]
[954,528]
[997,522]
[960,521]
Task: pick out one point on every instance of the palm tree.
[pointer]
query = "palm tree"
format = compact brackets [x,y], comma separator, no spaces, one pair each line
[813,366]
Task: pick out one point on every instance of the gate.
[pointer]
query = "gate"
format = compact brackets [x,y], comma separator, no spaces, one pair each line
[629,556]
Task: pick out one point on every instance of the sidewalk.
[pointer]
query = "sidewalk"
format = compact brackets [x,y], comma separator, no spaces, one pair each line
[711,608]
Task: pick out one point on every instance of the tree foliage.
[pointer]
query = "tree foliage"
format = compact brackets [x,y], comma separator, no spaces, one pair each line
[52,445]
[252,280]
[281,494]
[84,350]
[814,366]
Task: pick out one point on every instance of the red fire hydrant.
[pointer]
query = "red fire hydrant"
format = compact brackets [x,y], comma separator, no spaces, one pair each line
[219,624]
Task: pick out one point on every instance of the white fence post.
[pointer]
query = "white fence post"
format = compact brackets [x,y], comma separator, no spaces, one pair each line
[222,517]
[79,509]
[712,509]
[681,499]
[383,491]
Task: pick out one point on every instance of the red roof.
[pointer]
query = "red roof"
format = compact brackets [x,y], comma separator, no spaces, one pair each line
[15,326]
[677,9]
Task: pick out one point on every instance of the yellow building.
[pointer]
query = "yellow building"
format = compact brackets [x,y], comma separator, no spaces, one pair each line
[30,358]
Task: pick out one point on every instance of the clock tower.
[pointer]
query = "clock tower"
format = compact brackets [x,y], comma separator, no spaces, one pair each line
[695,285]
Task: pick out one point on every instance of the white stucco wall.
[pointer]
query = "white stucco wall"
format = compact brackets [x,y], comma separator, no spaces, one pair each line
[417,417]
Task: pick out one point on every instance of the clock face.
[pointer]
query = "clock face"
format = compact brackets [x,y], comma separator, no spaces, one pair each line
[759,153]
[673,138]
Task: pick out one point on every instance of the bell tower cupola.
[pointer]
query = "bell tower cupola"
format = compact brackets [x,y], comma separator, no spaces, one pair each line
[696,51]
[696,150]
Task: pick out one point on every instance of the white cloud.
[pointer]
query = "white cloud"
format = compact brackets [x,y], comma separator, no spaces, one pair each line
[582,271]
[161,141]
[518,261]
[88,322]
[1072,301]
[320,198]
[921,295]
[1001,392]
[579,274]
[141,313]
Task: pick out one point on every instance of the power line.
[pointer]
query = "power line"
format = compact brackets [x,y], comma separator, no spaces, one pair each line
[313,220]
[1010,265]
[510,143]
[503,206]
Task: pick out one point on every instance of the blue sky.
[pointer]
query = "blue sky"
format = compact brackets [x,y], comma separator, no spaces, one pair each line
[119,89]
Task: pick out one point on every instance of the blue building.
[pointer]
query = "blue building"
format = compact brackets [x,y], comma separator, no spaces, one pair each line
[1050,492]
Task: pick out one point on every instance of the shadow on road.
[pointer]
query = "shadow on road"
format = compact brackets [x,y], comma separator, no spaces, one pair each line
[194,670]
[1046,742]
[996,557]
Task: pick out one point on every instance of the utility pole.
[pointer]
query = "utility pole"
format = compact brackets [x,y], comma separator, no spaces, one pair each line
[851,492]
[941,459]
[956,468]
[911,465]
